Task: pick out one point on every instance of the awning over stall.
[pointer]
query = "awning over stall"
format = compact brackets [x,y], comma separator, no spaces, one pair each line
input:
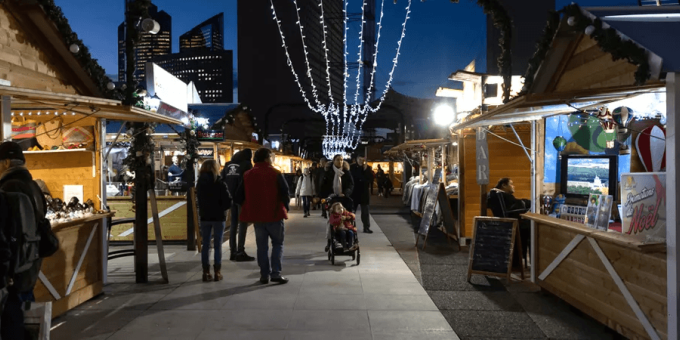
[35,100]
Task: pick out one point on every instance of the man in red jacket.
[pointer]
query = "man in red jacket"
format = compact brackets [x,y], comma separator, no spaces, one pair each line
[263,196]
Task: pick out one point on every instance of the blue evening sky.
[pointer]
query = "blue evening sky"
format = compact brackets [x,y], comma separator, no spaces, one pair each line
[441,36]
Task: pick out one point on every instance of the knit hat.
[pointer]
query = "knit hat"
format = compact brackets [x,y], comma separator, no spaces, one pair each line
[11,150]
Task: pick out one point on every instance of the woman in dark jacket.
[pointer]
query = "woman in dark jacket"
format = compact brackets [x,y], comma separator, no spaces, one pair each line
[213,202]
[337,179]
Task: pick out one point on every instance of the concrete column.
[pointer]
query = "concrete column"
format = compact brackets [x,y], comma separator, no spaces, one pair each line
[672,204]
[6,119]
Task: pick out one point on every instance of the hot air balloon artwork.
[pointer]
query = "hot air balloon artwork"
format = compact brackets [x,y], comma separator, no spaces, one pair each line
[651,147]
[622,117]
[606,120]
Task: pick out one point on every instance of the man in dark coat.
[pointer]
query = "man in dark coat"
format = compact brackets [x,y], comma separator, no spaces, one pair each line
[232,174]
[15,177]
[503,203]
[363,178]
[318,178]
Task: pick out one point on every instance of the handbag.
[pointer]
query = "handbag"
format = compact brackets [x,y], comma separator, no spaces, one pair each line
[49,133]
[78,135]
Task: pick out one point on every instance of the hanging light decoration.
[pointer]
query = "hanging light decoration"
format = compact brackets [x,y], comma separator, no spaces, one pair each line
[622,117]
[343,123]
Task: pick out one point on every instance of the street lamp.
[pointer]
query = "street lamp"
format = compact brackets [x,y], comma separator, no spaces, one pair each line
[444,115]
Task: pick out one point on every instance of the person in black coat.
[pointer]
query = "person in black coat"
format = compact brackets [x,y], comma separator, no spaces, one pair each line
[213,202]
[363,178]
[503,203]
[318,174]
[232,175]
[337,170]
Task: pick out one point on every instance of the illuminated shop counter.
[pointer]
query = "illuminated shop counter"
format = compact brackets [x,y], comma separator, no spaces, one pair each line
[614,278]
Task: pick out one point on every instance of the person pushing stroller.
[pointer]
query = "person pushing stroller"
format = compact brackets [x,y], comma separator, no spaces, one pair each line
[341,221]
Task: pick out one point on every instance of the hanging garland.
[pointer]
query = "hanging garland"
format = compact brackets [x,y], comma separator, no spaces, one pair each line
[189,145]
[89,65]
[502,21]
[541,49]
[608,39]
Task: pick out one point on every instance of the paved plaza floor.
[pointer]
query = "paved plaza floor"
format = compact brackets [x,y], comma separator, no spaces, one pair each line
[379,299]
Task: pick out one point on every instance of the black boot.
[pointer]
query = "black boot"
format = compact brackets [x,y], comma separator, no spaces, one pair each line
[368,231]
[232,257]
[243,257]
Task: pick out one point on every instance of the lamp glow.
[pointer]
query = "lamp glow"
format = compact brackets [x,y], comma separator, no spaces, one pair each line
[444,115]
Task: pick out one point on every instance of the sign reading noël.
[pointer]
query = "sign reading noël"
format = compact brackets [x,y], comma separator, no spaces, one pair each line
[482,157]
[210,135]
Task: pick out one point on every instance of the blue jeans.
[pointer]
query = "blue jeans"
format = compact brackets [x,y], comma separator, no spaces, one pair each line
[263,232]
[216,230]
[346,237]
[12,321]
[306,200]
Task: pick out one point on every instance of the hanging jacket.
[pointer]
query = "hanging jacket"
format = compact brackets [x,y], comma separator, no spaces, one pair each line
[233,171]
[213,198]
[305,185]
[263,195]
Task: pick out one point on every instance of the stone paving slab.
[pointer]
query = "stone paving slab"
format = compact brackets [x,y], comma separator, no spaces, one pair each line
[378,299]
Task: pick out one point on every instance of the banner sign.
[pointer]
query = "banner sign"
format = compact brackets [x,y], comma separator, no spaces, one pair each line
[643,199]
[210,135]
[206,153]
[482,157]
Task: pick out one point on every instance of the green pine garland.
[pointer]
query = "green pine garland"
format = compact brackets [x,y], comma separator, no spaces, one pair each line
[90,65]
[502,21]
[607,39]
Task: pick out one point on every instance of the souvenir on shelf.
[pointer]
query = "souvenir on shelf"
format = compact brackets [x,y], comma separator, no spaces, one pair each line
[60,212]
[599,211]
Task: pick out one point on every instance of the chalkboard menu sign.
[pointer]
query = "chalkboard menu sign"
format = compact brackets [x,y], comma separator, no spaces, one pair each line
[492,246]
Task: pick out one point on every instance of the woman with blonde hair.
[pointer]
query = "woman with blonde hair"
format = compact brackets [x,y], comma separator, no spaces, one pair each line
[213,202]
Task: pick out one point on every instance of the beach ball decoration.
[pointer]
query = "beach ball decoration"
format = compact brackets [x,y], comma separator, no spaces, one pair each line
[559,143]
[606,120]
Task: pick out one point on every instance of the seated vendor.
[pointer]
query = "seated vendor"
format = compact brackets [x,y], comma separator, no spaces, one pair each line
[503,203]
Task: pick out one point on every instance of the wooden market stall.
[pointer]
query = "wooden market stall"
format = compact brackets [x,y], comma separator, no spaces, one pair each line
[432,159]
[52,105]
[620,279]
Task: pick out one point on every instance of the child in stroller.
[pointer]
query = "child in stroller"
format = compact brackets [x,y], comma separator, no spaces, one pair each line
[341,230]
[342,222]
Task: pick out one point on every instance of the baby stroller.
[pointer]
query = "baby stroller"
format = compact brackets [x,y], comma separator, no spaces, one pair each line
[334,247]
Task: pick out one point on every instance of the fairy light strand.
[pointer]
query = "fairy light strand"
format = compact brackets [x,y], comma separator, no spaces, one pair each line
[343,129]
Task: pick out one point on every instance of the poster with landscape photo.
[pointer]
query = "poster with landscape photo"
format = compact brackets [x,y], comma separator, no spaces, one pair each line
[588,176]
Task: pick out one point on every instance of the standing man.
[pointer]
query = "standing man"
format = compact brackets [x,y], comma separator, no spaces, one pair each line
[363,178]
[320,172]
[15,178]
[265,203]
[232,175]
[315,193]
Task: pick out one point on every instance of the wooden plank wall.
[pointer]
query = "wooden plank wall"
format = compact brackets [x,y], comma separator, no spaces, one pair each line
[582,281]
[73,168]
[59,268]
[591,68]
[23,63]
[505,160]
[173,225]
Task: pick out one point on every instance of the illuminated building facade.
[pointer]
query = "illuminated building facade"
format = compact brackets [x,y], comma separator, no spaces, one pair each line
[209,35]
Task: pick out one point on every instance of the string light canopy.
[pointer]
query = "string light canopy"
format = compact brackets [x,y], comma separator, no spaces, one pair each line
[344,121]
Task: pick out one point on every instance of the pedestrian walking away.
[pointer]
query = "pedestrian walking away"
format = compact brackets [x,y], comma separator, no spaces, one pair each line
[305,190]
[265,199]
[26,238]
[320,173]
[232,175]
[380,177]
[362,177]
[213,202]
